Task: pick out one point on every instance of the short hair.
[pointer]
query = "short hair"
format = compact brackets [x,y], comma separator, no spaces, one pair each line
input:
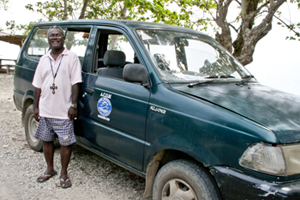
[56,27]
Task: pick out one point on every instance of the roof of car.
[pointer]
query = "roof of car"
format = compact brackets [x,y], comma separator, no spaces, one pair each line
[123,23]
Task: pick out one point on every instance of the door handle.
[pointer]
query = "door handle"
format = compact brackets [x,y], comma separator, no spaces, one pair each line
[87,91]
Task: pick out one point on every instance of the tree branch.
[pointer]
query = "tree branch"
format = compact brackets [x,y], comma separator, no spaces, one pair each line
[263,5]
[239,2]
[225,37]
[286,25]
[270,15]
[236,30]
[252,14]
[245,44]
[83,9]
[222,12]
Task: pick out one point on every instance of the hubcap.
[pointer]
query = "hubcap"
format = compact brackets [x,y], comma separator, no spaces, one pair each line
[177,189]
[32,124]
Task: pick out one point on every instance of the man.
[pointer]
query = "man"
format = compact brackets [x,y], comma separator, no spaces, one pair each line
[56,83]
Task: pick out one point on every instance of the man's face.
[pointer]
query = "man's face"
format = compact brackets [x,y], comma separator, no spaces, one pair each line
[56,39]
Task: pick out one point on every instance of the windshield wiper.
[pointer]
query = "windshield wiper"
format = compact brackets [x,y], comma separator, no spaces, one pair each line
[248,77]
[222,76]
[245,80]
[199,82]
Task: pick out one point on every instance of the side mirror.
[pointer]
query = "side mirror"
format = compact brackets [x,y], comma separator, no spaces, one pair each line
[136,73]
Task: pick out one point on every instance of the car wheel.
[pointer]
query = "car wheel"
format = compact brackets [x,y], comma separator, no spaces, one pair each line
[30,126]
[184,180]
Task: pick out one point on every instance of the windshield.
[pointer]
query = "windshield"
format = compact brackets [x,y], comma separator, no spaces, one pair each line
[190,57]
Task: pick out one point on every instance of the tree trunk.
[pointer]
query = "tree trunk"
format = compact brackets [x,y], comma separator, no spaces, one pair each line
[251,35]
[124,12]
[114,39]
[248,35]
[65,9]
[225,37]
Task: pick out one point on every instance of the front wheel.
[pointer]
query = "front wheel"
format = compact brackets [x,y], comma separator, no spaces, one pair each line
[184,180]
[30,126]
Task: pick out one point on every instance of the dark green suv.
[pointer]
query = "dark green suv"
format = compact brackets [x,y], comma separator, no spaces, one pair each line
[172,105]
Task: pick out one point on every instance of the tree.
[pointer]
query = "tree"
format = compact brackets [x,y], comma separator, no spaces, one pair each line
[253,19]
[155,10]
[253,22]
[105,9]
[248,33]
[110,9]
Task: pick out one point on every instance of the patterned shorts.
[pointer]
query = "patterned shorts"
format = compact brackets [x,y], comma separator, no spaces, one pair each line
[63,128]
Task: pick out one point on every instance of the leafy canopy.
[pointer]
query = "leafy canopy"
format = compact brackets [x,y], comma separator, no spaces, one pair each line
[252,21]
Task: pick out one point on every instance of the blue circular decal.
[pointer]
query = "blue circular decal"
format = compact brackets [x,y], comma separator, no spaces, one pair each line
[104,106]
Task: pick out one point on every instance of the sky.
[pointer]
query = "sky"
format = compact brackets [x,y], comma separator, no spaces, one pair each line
[276,60]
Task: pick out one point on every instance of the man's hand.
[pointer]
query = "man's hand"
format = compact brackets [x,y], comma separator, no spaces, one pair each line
[72,113]
[36,111]
[36,114]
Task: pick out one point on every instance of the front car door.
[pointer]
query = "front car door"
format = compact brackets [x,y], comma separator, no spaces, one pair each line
[112,111]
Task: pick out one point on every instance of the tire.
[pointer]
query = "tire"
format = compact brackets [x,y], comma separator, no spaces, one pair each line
[30,126]
[184,180]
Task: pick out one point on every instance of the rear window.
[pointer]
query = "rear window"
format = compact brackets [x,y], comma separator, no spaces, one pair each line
[75,40]
[38,44]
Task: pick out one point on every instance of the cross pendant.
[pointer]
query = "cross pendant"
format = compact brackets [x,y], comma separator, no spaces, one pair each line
[53,87]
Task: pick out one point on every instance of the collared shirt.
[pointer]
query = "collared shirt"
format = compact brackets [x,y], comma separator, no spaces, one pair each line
[69,73]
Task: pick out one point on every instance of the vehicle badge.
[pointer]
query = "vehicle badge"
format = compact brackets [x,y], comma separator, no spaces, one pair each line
[104,106]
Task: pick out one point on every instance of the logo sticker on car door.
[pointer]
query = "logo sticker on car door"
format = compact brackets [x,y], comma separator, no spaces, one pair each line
[104,106]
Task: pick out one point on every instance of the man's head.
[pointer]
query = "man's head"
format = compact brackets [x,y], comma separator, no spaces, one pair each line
[56,38]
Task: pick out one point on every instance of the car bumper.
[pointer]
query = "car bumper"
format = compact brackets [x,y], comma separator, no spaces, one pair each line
[236,185]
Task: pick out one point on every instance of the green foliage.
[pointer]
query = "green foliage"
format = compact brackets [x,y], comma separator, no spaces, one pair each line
[294,28]
[4,4]
[11,25]
[160,11]
[195,14]
[54,9]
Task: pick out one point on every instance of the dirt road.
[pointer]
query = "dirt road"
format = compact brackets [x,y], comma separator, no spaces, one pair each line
[92,176]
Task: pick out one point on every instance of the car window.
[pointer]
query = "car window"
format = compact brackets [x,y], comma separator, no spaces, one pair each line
[75,40]
[186,57]
[38,44]
[196,48]
[113,46]
[120,43]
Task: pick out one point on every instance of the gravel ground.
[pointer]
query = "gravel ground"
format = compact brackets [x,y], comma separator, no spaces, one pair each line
[92,176]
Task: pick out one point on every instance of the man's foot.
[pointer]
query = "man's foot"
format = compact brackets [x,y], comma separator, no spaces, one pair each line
[45,177]
[65,183]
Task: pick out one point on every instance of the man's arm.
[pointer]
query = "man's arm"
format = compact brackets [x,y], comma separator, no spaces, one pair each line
[37,94]
[72,113]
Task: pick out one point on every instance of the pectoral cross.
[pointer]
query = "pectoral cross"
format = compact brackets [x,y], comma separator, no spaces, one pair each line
[53,87]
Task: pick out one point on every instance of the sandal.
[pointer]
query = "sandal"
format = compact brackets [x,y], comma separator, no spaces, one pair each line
[45,177]
[65,183]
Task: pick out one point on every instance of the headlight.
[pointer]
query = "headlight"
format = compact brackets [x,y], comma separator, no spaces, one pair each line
[280,160]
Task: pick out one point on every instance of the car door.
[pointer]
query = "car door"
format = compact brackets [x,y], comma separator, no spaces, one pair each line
[112,111]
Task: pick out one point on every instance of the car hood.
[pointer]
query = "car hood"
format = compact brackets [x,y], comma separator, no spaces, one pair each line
[277,110]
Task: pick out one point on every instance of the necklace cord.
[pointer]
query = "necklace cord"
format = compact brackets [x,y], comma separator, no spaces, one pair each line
[54,75]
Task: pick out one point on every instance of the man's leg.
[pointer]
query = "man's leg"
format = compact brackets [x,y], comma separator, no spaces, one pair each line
[65,153]
[48,148]
[66,138]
